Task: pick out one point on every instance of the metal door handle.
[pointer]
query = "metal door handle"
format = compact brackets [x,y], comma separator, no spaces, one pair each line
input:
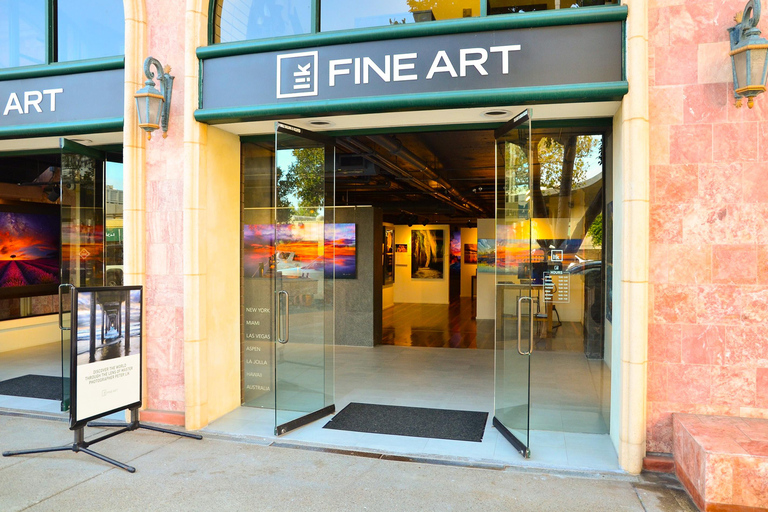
[520,327]
[280,339]
[61,316]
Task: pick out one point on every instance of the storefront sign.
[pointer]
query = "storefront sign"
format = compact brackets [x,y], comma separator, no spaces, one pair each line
[503,59]
[106,351]
[60,99]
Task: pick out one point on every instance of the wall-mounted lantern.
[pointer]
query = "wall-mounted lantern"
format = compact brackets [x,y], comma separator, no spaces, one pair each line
[749,55]
[153,106]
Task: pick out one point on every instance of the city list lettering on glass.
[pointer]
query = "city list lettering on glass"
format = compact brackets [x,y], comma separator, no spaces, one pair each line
[257,343]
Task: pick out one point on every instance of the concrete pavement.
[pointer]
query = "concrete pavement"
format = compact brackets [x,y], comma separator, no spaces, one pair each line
[231,473]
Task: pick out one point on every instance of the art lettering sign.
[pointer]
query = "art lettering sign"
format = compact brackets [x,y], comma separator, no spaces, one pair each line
[501,59]
[62,99]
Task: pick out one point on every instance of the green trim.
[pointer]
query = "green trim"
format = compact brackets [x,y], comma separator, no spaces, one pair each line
[50,35]
[314,16]
[623,51]
[63,68]
[30,152]
[420,101]
[552,18]
[255,139]
[114,124]
[211,21]
[595,122]
[67,146]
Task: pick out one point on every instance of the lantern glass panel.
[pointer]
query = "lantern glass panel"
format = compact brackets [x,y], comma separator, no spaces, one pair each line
[758,67]
[155,109]
[740,65]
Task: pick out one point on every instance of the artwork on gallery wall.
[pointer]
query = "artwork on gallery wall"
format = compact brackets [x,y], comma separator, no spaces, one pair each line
[486,255]
[388,256]
[427,254]
[401,255]
[455,265]
[294,250]
[470,253]
[30,239]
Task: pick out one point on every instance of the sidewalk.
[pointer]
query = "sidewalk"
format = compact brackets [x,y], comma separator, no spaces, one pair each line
[231,473]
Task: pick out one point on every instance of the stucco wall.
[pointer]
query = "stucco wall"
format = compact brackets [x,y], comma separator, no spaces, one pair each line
[707,342]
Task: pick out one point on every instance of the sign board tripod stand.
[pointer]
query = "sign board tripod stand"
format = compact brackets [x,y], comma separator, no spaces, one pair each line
[105,366]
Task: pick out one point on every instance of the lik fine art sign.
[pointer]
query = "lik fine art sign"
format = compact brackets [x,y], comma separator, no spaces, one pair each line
[501,59]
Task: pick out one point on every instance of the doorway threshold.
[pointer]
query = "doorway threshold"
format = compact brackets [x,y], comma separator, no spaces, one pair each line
[563,451]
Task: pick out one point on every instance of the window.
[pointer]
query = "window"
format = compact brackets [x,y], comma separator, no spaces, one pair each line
[347,14]
[240,20]
[22,33]
[243,20]
[518,6]
[84,29]
[88,29]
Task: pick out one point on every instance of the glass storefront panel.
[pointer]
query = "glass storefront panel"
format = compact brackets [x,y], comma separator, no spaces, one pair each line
[22,34]
[519,6]
[89,29]
[347,14]
[241,20]
[567,200]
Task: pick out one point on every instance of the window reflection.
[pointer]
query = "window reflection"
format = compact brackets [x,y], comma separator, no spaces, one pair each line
[89,29]
[347,14]
[518,6]
[22,33]
[241,20]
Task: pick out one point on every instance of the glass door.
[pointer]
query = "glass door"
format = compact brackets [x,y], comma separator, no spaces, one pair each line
[82,234]
[303,283]
[516,282]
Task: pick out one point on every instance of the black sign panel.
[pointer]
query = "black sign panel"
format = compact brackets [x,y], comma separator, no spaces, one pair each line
[61,99]
[503,59]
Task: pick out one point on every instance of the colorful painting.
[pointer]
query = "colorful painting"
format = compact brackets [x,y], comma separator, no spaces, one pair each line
[401,247]
[455,252]
[340,242]
[300,250]
[388,256]
[470,253]
[486,255]
[29,253]
[427,254]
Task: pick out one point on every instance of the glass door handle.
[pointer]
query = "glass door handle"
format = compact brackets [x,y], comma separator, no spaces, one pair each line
[61,315]
[520,327]
[284,320]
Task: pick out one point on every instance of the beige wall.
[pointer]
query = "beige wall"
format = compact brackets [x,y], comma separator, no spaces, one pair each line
[29,332]
[222,283]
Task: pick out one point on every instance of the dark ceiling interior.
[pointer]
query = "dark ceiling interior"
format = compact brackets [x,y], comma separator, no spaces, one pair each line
[438,177]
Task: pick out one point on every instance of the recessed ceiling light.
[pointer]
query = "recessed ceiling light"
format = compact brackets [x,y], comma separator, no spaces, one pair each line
[496,113]
[321,123]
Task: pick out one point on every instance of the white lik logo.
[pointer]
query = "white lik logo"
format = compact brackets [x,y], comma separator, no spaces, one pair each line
[297,74]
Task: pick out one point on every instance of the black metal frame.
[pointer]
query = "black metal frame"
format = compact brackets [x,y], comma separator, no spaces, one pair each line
[509,436]
[304,420]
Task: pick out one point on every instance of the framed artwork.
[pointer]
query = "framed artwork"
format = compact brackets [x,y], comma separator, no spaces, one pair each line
[470,253]
[427,254]
[389,255]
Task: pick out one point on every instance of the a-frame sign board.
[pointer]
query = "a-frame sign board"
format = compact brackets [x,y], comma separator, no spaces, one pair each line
[105,365]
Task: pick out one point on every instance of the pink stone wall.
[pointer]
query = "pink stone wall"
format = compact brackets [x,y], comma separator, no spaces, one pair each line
[708,332]
[164,189]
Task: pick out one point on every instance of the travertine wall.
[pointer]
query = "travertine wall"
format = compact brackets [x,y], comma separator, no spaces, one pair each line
[707,340]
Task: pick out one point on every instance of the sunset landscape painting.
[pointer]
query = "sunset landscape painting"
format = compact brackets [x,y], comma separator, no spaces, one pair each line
[29,251]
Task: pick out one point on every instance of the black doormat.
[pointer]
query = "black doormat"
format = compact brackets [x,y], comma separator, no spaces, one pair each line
[33,386]
[411,421]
